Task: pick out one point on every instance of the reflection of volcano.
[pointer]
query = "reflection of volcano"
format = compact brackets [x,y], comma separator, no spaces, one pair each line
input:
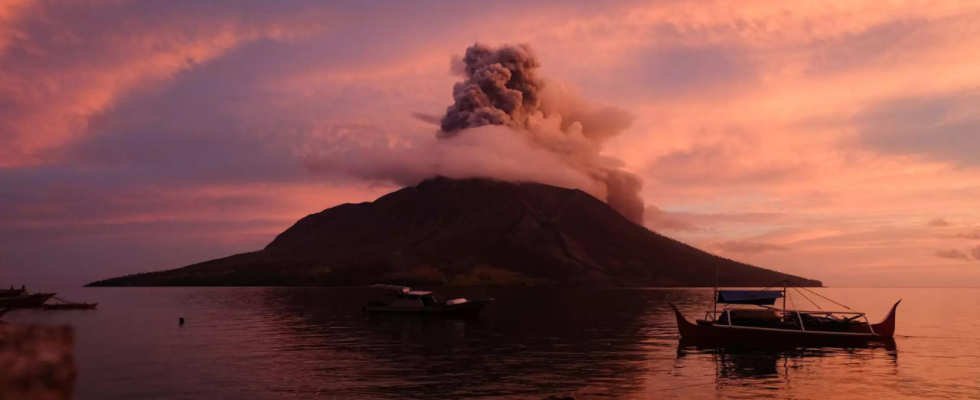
[530,342]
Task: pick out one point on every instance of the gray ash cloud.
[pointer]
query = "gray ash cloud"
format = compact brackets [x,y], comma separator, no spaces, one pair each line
[502,87]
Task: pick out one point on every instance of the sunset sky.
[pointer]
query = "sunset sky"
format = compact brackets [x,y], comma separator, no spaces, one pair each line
[835,140]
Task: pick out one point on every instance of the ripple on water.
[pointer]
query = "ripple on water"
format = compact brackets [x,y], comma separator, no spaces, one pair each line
[310,342]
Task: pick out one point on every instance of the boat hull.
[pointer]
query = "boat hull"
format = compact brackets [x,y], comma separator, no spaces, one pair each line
[468,309]
[727,335]
[29,301]
[12,292]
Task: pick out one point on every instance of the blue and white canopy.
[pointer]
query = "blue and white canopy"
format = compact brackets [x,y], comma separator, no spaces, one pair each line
[756,297]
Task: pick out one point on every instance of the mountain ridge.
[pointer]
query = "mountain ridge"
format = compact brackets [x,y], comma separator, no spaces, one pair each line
[468,231]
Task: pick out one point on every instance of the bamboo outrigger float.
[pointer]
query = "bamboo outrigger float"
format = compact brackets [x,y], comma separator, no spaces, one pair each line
[765,324]
[63,304]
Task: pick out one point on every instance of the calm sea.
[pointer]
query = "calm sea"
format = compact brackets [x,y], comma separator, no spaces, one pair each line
[299,343]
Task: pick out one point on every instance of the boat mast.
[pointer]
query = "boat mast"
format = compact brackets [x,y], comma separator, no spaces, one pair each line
[714,297]
[785,282]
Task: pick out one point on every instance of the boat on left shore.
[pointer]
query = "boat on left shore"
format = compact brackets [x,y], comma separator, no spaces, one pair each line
[20,298]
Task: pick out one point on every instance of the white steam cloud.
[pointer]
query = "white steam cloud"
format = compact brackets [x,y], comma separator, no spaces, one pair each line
[507,123]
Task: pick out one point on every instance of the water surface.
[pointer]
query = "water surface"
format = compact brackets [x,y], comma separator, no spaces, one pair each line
[299,343]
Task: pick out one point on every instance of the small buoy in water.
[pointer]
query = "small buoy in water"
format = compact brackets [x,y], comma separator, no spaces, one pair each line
[181,320]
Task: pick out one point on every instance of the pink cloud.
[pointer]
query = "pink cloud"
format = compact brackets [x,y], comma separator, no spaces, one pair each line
[660,220]
[952,254]
[938,223]
[749,247]
[972,235]
[70,63]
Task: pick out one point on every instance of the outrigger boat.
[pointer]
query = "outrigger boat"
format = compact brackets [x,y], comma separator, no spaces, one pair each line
[20,298]
[749,318]
[24,300]
[404,300]
[13,292]
[69,305]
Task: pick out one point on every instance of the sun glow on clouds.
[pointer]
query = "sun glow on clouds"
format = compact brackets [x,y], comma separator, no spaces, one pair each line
[821,139]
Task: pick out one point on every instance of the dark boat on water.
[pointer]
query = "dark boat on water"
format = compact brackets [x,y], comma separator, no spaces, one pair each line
[13,292]
[25,300]
[748,318]
[403,300]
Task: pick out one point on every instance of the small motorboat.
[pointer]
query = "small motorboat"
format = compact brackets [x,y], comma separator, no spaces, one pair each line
[404,300]
[749,318]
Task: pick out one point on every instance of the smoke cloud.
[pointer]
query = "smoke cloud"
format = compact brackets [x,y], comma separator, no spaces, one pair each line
[505,123]
[501,87]
[953,254]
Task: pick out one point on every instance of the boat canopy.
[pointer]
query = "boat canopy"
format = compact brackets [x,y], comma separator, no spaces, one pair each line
[756,297]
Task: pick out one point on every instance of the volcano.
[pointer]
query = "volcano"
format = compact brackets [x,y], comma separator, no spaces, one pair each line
[468,232]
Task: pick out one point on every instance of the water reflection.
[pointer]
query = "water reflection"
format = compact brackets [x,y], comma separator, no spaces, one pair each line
[776,369]
[528,342]
[307,343]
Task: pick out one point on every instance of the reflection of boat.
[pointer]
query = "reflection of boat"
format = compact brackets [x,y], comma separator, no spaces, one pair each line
[71,306]
[403,300]
[762,324]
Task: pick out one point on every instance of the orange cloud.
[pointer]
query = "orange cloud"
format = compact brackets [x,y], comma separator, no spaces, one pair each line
[64,66]
[952,254]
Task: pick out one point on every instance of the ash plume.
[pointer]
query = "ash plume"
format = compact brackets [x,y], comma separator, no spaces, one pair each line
[501,87]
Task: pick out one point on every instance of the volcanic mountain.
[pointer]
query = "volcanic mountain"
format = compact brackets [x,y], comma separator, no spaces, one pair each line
[468,232]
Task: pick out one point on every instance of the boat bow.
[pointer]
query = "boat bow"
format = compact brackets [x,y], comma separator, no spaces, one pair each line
[684,327]
[886,327]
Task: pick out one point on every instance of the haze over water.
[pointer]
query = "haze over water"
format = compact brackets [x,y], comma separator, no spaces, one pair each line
[298,343]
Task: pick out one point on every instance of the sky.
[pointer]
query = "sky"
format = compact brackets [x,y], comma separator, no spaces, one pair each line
[835,140]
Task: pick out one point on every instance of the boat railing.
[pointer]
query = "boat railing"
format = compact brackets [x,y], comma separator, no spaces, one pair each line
[821,312]
[768,316]
[712,316]
[710,313]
